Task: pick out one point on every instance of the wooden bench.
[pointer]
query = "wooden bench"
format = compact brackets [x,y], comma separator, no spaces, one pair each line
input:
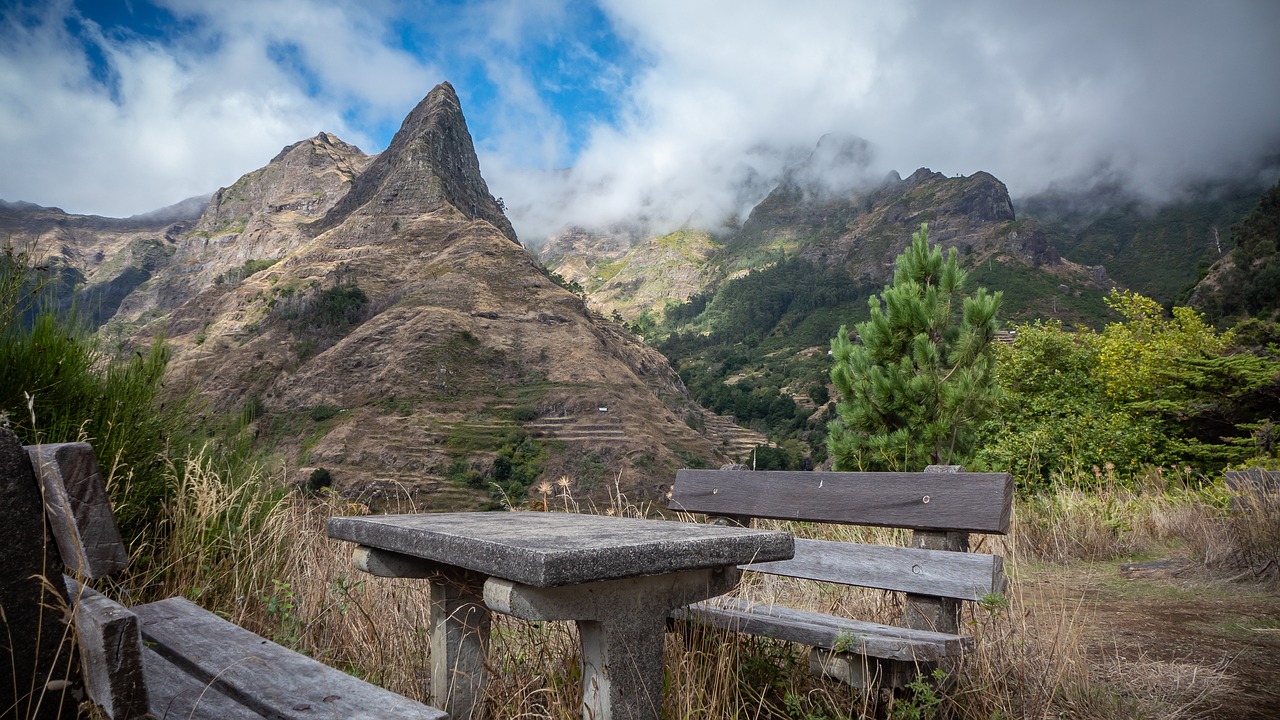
[936,574]
[172,658]
[1251,487]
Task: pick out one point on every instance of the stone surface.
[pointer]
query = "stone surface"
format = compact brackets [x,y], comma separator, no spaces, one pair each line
[430,164]
[111,653]
[621,624]
[459,645]
[550,549]
[459,626]
[38,674]
[78,509]
[618,578]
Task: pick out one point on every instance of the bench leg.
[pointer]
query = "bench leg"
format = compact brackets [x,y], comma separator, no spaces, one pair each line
[865,673]
[459,639]
[459,626]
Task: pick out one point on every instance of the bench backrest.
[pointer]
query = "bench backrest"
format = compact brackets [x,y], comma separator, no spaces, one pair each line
[928,501]
[1253,480]
[963,502]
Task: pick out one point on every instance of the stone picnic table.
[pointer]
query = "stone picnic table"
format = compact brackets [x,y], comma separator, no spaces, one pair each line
[617,578]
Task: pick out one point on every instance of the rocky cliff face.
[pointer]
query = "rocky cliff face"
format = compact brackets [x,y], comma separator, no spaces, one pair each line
[257,219]
[430,165]
[632,279]
[826,212]
[97,262]
[377,317]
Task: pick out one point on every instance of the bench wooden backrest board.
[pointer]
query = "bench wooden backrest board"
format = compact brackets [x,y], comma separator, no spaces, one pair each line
[940,573]
[1253,480]
[963,502]
[78,509]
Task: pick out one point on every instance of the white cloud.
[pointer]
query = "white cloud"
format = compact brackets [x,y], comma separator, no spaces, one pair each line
[711,100]
[1033,92]
[191,114]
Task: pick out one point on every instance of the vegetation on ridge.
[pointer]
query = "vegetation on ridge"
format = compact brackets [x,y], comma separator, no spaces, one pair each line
[58,385]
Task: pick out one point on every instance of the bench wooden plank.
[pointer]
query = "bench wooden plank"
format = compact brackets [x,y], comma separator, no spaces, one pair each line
[963,502]
[964,576]
[1254,480]
[233,661]
[826,631]
[175,695]
[78,509]
[110,652]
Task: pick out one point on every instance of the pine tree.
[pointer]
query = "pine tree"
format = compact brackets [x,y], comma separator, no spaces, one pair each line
[923,376]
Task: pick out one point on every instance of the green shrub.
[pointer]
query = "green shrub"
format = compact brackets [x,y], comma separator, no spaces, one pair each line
[319,479]
[524,413]
[58,385]
[320,413]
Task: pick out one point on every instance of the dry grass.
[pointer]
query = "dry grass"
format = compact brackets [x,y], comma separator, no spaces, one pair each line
[264,562]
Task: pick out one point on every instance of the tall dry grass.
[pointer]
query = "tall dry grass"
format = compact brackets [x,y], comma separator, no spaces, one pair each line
[261,558]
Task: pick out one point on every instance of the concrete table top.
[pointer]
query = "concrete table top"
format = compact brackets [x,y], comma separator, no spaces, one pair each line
[551,549]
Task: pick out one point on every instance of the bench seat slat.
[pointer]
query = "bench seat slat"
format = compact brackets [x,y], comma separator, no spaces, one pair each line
[962,502]
[965,576]
[826,631]
[234,661]
[175,695]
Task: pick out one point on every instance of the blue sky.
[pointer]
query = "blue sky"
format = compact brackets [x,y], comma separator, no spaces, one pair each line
[679,111]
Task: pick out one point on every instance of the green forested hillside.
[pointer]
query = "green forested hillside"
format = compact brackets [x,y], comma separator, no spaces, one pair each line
[1160,251]
[756,348]
[1246,283]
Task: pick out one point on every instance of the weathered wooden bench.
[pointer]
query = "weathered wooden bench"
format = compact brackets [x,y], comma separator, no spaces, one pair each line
[936,574]
[1252,486]
[172,658]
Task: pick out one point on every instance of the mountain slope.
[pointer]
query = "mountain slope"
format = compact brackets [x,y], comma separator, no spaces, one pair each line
[400,340]
[1158,250]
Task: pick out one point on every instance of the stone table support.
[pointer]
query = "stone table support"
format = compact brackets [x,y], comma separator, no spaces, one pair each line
[459,626]
[621,624]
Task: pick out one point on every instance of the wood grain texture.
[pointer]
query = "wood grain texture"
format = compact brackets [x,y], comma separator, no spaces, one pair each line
[110,652]
[826,631]
[965,576]
[78,509]
[1253,480]
[966,502]
[175,695]
[261,675]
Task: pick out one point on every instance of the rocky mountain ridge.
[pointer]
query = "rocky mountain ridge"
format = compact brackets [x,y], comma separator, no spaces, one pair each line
[375,316]
[860,231]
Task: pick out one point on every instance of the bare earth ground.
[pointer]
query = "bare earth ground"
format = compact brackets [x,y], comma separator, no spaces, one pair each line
[1202,642]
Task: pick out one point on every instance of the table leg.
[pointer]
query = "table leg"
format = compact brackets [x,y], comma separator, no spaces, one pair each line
[622,668]
[459,626]
[459,636]
[622,626]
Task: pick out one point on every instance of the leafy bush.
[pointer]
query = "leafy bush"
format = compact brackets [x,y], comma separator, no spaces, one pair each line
[1152,389]
[320,413]
[518,465]
[58,385]
[319,479]
[235,276]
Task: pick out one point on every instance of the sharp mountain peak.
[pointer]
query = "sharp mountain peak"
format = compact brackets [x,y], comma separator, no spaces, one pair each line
[430,163]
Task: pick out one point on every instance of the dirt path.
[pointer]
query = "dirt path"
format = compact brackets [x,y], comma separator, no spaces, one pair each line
[1202,645]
